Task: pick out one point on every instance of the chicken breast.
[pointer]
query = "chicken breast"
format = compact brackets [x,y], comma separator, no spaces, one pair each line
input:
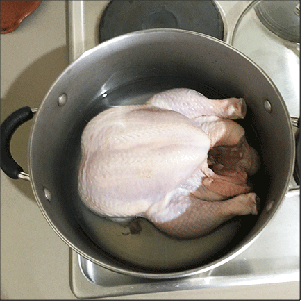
[178,160]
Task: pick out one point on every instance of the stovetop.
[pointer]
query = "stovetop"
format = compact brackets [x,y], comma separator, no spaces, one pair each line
[274,256]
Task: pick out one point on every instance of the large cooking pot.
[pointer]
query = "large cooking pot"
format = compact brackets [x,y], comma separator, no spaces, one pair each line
[127,70]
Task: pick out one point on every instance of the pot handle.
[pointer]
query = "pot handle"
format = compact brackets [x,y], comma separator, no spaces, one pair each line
[9,166]
[294,188]
[296,123]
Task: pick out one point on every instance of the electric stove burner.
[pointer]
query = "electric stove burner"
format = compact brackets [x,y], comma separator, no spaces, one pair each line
[278,57]
[280,17]
[122,17]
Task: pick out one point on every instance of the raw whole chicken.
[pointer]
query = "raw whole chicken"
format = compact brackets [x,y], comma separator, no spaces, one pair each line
[178,160]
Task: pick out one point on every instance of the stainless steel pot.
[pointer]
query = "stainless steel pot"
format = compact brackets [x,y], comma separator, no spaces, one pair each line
[128,70]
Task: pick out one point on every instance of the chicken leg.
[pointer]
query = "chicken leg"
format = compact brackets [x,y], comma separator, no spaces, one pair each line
[199,217]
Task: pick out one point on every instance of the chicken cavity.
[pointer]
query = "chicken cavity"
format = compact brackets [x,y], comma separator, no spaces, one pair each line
[177,160]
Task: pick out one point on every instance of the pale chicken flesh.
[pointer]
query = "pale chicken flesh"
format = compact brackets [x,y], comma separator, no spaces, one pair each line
[178,160]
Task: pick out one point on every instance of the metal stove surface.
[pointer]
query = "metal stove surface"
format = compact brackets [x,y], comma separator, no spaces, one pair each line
[272,258]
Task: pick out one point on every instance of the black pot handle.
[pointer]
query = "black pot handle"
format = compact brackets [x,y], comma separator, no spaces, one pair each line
[296,123]
[9,166]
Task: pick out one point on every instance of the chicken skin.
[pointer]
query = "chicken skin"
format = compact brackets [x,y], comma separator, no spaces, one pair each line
[178,160]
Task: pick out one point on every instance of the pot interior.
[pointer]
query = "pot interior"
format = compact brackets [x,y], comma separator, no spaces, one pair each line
[129,70]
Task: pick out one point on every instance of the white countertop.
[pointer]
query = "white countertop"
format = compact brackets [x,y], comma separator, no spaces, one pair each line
[35,263]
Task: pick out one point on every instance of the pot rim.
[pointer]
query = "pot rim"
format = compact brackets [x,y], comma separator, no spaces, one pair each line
[165,275]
